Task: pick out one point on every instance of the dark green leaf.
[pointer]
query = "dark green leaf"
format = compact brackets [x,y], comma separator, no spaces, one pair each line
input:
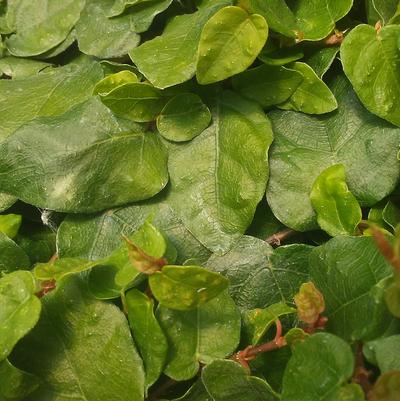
[12,256]
[384,352]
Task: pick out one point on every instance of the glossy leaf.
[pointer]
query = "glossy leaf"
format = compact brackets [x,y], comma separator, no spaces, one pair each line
[216,183]
[147,333]
[184,117]
[267,85]
[84,157]
[354,267]
[331,361]
[119,6]
[227,381]
[10,224]
[200,335]
[20,309]
[104,37]
[312,96]
[83,334]
[52,92]
[322,59]
[381,10]
[257,322]
[260,276]
[176,48]
[229,43]
[14,383]
[383,352]
[305,146]
[338,211]
[12,256]
[42,25]
[112,81]
[186,287]
[371,61]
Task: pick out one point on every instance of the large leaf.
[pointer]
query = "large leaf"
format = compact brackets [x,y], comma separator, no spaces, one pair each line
[228,381]
[305,146]
[176,48]
[52,92]
[16,67]
[338,212]
[15,384]
[79,143]
[96,236]
[217,182]
[350,273]
[305,19]
[229,43]
[20,309]
[267,85]
[384,352]
[371,61]
[81,348]
[12,256]
[260,276]
[104,37]
[147,333]
[381,10]
[42,25]
[318,369]
[200,335]
[6,201]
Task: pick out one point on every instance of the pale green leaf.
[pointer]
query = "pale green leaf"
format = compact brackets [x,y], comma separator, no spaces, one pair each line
[112,81]
[12,256]
[10,224]
[16,67]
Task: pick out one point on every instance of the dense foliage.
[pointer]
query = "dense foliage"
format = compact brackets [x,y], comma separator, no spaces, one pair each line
[199,200]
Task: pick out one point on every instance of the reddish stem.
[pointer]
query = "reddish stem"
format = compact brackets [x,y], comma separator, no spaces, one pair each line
[277,238]
[318,325]
[361,375]
[386,248]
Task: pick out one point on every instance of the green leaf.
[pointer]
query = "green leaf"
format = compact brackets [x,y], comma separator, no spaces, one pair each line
[322,59]
[228,381]
[355,269]
[257,322]
[135,101]
[16,67]
[338,211]
[305,146]
[41,25]
[6,201]
[280,56]
[387,388]
[112,81]
[186,287]
[119,6]
[196,393]
[176,48]
[392,296]
[104,37]
[12,256]
[216,183]
[351,392]
[51,92]
[331,361]
[391,215]
[267,85]
[15,384]
[371,61]
[81,142]
[381,10]
[200,335]
[147,333]
[10,224]
[312,96]
[81,348]
[305,19]
[229,43]
[384,352]
[184,117]
[260,276]
[96,236]
[20,309]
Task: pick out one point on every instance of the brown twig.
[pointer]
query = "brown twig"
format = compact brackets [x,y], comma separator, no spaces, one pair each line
[361,375]
[277,238]
[318,325]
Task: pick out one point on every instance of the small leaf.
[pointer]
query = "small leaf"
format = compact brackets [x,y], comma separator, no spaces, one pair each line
[392,296]
[186,287]
[112,81]
[20,309]
[294,336]
[331,361]
[267,85]
[200,335]
[387,388]
[257,322]
[383,353]
[228,381]
[338,211]
[184,117]
[312,96]
[10,224]
[147,333]
[229,43]
[310,303]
